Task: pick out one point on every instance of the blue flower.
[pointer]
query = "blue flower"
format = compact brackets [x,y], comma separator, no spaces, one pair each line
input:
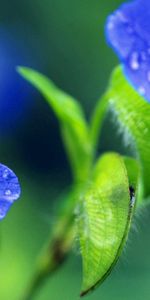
[15,94]
[128,32]
[9,189]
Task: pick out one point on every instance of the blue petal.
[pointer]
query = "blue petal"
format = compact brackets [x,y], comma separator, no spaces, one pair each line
[128,32]
[9,189]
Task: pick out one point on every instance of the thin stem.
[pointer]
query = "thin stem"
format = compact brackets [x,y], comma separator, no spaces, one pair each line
[98,118]
[60,243]
[58,246]
[50,260]
[79,151]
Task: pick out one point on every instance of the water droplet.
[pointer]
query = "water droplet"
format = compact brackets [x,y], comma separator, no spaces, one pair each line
[148,51]
[9,189]
[142,90]
[8,192]
[5,173]
[110,24]
[134,62]
[121,16]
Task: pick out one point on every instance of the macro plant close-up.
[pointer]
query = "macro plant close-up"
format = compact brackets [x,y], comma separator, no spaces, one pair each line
[81,225]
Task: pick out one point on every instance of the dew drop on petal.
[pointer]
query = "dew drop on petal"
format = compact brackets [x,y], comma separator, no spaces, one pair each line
[9,189]
[121,16]
[130,38]
[111,23]
[134,61]
[5,173]
[8,192]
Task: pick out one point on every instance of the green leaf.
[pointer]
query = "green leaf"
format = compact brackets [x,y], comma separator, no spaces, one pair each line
[104,219]
[133,116]
[73,124]
[97,120]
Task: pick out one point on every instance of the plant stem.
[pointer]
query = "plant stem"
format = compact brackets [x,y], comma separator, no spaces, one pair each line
[51,259]
[97,119]
[58,246]
[60,243]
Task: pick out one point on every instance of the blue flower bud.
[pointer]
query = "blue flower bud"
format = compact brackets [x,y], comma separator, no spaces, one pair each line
[9,189]
[128,32]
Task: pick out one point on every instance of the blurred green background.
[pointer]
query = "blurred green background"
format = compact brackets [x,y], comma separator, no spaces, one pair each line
[65,40]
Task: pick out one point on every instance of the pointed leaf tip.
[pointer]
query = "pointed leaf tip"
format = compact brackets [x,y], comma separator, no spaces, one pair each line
[74,128]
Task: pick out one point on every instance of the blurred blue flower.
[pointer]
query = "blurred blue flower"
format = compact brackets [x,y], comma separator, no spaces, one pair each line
[128,32]
[9,189]
[15,94]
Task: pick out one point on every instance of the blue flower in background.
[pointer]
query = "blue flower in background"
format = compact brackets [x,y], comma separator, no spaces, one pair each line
[15,94]
[128,32]
[9,189]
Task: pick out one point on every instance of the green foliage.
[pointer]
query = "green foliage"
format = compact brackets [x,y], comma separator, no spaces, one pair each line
[104,191]
[104,219]
[73,127]
[133,115]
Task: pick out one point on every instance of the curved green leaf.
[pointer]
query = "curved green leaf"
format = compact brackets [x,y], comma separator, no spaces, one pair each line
[74,127]
[104,219]
[133,114]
